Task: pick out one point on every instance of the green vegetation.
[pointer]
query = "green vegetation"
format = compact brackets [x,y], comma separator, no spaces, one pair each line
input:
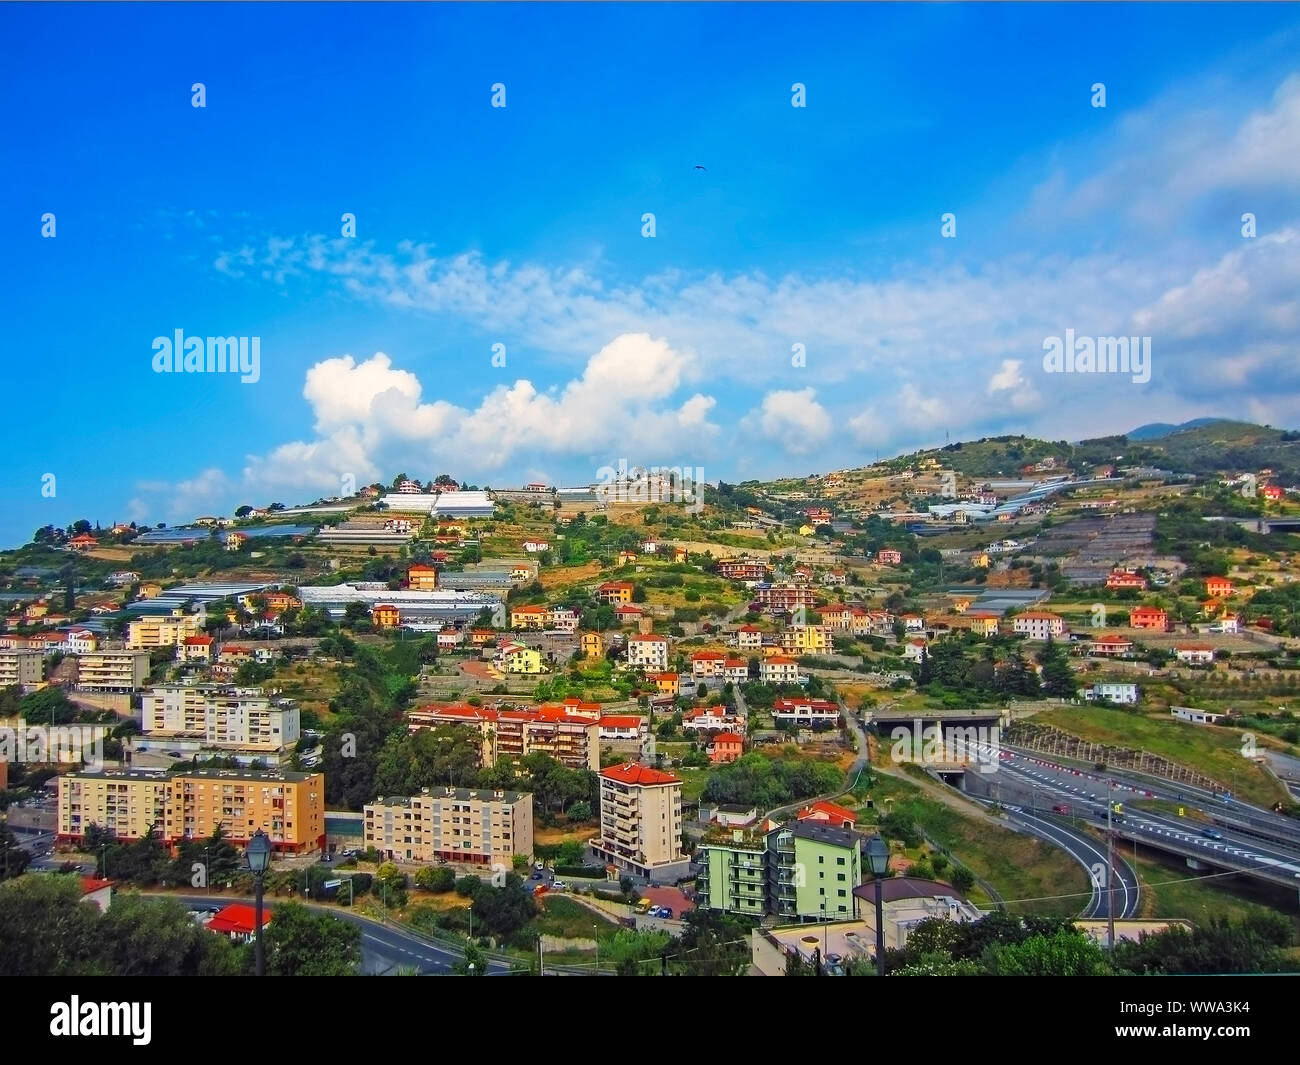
[768,782]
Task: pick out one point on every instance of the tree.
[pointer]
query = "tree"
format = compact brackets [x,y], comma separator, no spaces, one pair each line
[504,910]
[437,879]
[244,511]
[1066,953]
[13,859]
[157,937]
[474,963]
[302,943]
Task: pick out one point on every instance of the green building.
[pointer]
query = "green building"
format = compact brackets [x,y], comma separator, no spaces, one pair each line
[802,871]
[733,873]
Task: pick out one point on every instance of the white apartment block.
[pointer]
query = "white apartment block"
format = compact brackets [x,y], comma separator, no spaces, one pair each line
[648,652]
[452,824]
[243,718]
[113,671]
[1039,625]
[1114,691]
[24,668]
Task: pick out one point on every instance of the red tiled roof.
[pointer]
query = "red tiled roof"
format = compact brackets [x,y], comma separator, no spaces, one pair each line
[92,883]
[635,773]
[728,737]
[238,917]
[198,641]
[621,721]
[832,810]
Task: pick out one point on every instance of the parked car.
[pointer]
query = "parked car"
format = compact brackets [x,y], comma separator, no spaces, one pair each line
[559,885]
[666,912]
[653,911]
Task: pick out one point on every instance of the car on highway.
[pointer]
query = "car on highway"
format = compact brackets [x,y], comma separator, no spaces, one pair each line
[1060,808]
[1211,833]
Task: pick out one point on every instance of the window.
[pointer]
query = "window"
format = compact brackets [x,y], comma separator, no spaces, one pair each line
[839,861]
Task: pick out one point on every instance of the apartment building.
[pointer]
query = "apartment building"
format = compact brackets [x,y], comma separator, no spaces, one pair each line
[113,671]
[647,652]
[786,597]
[749,638]
[168,630]
[1039,625]
[615,592]
[531,616]
[289,807]
[641,822]
[805,871]
[422,578]
[22,667]
[741,570]
[806,639]
[1113,691]
[570,734]
[778,669]
[805,712]
[244,718]
[1148,617]
[477,827]
[706,664]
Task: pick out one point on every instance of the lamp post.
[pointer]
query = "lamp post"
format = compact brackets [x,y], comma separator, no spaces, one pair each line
[878,859]
[595,929]
[259,859]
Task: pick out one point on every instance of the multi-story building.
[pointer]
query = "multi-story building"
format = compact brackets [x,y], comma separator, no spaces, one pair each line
[1113,691]
[749,638]
[166,630]
[1110,646]
[530,616]
[742,570]
[477,827]
[195,649]
[22,667]
[289,807]
[736,670]
[114,671]
[888,556]
[804,871]
[648,652]
[705,664]
[385,616]
[1218,586]
[568,733]
[641,822]
[786,597]
[517,658]
[806,639]
[805,712]
[616,592]
[592,644]
[1039,625]
[1148,617]
[422,578]
[1118,580]
[243,718]
[565,619]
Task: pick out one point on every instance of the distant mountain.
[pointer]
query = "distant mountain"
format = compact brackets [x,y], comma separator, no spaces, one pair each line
[1155,430]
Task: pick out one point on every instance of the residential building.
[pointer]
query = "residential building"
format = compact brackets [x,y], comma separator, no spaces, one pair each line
[805,712]
[25,668]
[914,650]
[649,652]
[712,719]
[289,807]
[913,623]
[1195,654]
[529,617]
[834,577]
[706,664]
[115,671]
[742,570]
[564,619]
[221,716]
[778,669]
[749,638]
[613,727]
[807,639]
[1113,691]
[627,614]
[1110,646]
[1120,579]
[536,547]
[981,622]
[516,658]
[736,670]
[1039,625]
[477,827]
[615,592]
[1148,617]
[641,822]
[726,747]
[888,556]
[195,649]
[422,578]
[666,683]
[832,813]
[782,598]
[568,733]
[385,616]
[1219,587]
[1196,717]
[450,639]
[592,644]
[733,873]
[162,631]
[81,641]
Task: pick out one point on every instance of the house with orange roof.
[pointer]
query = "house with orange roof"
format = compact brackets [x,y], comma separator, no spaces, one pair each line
[83,542]
[1148,617]
[1111,645]
[615,592]
[1038,625]
[830,812]
[1218,587]
[1119,580]
[641,822]
[726,747]
[195,649]
[706,664]
[622,727]
[647,651]
[530,616]
[749,637]
[385,616]
[736,670]
[778,669]
[422,578]
[666,683]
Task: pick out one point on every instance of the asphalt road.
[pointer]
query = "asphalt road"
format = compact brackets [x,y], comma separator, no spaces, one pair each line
[383,947]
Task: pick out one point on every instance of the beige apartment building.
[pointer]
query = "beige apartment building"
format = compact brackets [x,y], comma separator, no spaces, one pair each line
[641,822]
[222,716]
[568,734]
[117,671]
[452,824]
[164,631]
[289,807]
[21,667]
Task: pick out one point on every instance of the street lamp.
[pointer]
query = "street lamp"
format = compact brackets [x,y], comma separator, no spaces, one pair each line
[878,860]
[258,853]
[596,933]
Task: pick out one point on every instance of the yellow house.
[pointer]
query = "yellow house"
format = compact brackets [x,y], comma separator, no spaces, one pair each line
[981,560]
[615,592]
[516,658]
[806,638]
[529,617]
[961,605]
[592,644]
[806,530]
[679,554]
[983,624]
[162,631]
[665,682]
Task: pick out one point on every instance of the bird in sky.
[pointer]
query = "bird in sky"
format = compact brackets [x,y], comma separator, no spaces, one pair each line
[698,167]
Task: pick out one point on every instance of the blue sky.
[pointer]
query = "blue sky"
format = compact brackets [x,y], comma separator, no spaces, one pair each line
[522,226]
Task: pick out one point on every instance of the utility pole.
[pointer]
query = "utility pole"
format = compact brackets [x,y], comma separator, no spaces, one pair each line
[1110,867]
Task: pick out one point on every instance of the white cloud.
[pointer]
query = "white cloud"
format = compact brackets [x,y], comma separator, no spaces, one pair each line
[793,419]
